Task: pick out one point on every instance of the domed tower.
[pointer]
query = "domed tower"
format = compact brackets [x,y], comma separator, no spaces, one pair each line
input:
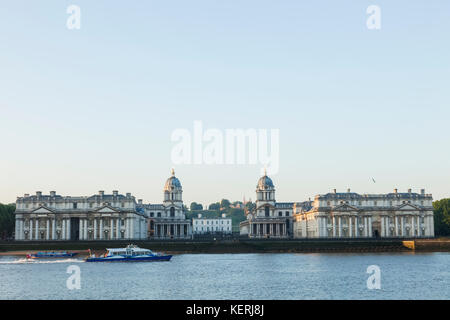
[173,190]
[265,191]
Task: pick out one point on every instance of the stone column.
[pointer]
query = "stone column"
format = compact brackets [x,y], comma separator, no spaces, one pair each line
[118,229]
[334,226]
[16,228]
[86,224]
[20,234]
[47,230]
[132,228]
[95,229]
[54,228]
[101,229]
[396,226]
[63,230]
[370,226]
[80,229]
[350,233]
[68,229]
[365,226]
[402,219]
[413,232]
[340,226]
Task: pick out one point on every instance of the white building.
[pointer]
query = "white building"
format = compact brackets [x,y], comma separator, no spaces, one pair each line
[351,215]
[269,219]
[98,217]
[212,225]
[168,220]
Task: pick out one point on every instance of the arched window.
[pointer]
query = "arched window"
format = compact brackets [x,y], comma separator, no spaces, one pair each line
[172,212]
[267,211]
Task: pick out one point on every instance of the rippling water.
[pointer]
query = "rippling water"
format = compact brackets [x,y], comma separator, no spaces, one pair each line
[233,276]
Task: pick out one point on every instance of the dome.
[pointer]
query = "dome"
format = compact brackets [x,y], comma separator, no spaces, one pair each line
[172,183]
[265,183]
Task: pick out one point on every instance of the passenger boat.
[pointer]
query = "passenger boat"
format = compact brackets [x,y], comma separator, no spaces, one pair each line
[52,254]
[130,253]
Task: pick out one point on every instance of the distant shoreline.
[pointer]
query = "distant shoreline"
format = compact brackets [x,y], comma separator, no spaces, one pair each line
[239,246]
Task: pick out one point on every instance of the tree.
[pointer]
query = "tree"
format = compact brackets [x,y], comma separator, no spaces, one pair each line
[7,220]
[214,206]
[225,203]
[196,206]
[442,217]
[250,206]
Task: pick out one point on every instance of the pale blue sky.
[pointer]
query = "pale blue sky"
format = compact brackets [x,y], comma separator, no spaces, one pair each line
[93,109]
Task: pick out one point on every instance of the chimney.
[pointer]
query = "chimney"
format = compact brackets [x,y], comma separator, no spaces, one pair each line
[409,190]
[52,193]
[348,190]
[334,191]
[140,201]
[422,191]
[38,193]
[115,192]
[395,190]
[101,193]
[26,195]
[128,195]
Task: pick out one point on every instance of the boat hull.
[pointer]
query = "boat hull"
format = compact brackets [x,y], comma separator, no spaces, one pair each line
[51,256]
[129,259]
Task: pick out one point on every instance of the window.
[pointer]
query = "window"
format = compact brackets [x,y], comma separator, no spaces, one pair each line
[267,211]
[280,214]
[287,213]
[172,212]
[159,214]
[122,204]
[74,205]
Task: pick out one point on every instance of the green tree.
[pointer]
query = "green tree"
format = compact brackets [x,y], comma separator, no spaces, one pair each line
[442,217]
[7,220]
[214,206]
[196,206]
[225,203]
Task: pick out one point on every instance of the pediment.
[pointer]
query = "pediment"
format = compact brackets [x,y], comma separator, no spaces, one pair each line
[345,208]
[106,209]
[43,209]
[407,207]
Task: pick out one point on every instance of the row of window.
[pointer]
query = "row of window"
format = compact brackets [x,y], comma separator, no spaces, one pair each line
[212,222]
[375,203]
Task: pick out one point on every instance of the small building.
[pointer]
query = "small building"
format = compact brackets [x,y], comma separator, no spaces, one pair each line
[201,225]
[269,219]
[168,220]
[97,217]
[352,215]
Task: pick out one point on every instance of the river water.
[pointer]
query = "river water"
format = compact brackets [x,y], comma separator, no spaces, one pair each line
[233,276]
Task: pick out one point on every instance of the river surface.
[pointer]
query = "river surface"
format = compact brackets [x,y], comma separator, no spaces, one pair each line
[232,276]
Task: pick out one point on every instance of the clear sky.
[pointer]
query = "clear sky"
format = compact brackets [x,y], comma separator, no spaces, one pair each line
[93,109]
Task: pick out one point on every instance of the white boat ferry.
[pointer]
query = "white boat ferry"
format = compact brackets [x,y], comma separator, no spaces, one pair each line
[130,253]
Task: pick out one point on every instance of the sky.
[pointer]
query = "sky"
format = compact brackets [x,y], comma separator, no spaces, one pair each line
[89,109]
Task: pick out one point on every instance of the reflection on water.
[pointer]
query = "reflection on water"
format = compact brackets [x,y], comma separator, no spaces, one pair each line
[233,276]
